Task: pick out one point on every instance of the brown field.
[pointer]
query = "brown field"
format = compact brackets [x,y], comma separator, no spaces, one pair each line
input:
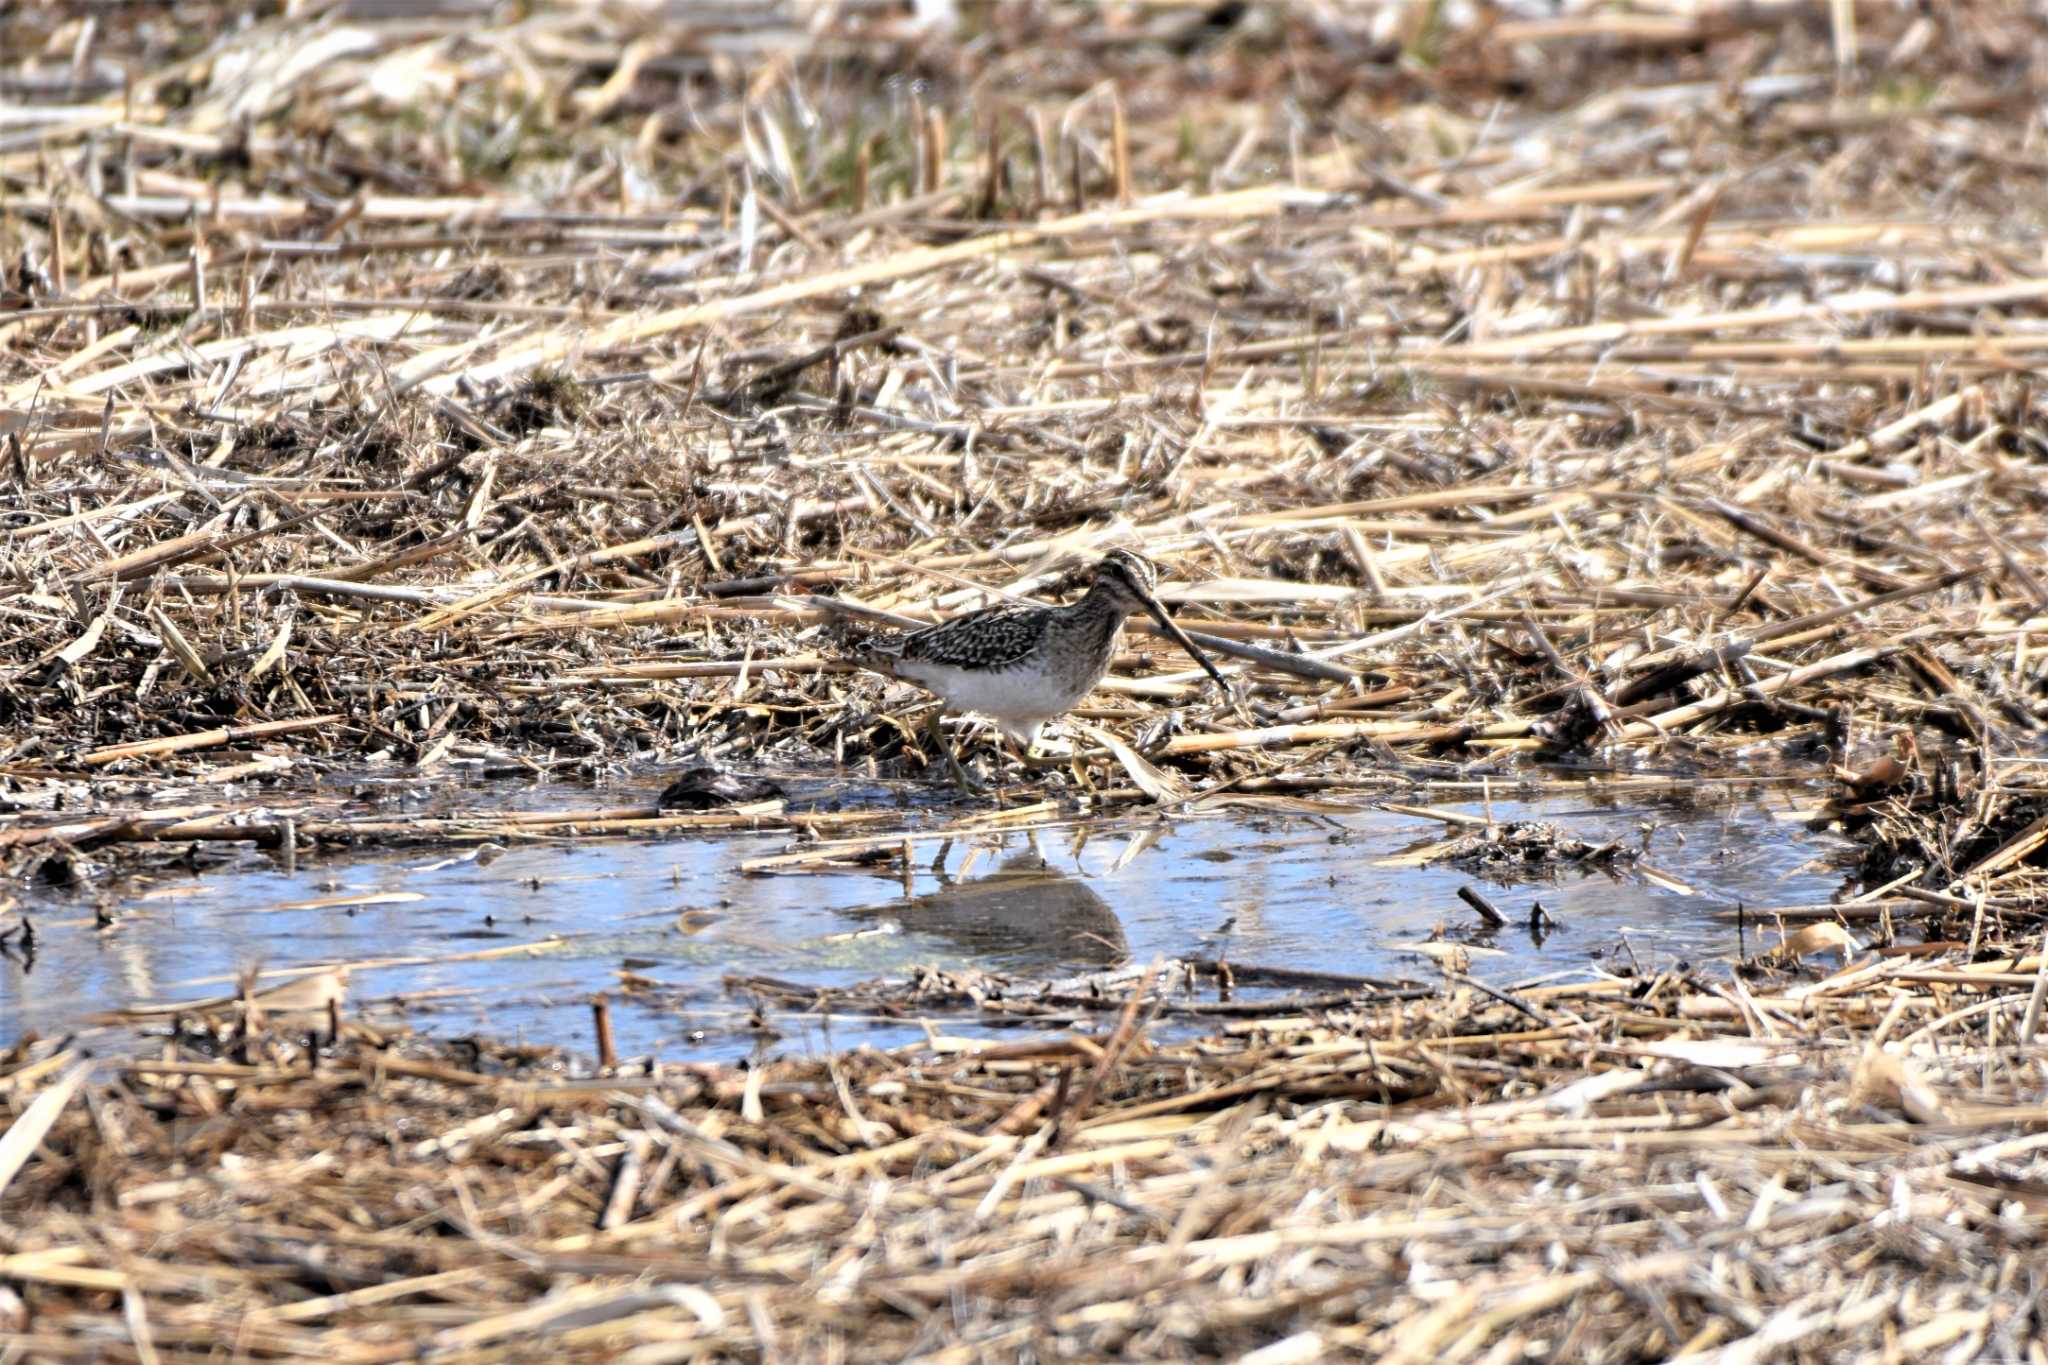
[1638,398]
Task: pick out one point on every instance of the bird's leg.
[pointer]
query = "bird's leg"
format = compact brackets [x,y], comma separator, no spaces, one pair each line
[945,746]
[1034,757]
[1037,762]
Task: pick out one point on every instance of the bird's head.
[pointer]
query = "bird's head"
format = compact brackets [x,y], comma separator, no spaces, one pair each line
[1129,581]
[1128,578]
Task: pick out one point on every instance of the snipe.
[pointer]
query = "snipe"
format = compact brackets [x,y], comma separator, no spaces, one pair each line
[1024,665]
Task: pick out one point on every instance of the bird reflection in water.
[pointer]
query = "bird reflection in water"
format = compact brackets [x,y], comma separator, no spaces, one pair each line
[1025,915]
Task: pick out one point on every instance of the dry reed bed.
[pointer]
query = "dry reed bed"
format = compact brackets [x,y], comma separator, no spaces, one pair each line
[433,388]
[1841,1168]
[536,391]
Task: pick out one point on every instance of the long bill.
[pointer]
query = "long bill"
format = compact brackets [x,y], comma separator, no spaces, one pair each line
[1180,637]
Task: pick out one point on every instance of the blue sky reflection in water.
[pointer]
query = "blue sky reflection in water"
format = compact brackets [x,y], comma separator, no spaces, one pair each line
[1296,891]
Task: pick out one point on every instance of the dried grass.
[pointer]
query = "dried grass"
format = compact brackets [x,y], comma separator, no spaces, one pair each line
[1842,1168]
[542,391]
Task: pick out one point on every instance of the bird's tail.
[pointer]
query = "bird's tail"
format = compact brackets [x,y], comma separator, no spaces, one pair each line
[876,653]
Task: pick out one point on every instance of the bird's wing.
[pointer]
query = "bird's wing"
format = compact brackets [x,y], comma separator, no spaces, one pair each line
[998,638]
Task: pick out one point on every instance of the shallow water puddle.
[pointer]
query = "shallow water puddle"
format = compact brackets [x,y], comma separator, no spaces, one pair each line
[514,942]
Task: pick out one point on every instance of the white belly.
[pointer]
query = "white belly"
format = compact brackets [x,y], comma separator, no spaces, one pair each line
[1019,700]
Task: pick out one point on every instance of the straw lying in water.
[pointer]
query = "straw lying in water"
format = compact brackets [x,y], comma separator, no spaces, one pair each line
[1832,1163]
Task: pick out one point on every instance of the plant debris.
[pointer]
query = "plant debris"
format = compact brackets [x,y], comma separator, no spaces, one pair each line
[1617,397]
[1335,1181]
